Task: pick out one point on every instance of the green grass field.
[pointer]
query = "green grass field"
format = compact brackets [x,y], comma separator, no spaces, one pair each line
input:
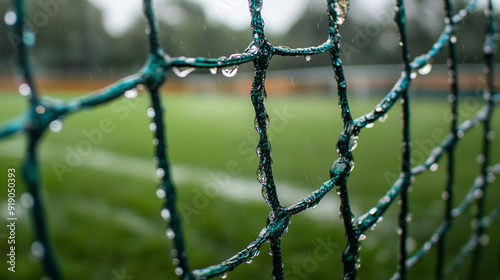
[105,221]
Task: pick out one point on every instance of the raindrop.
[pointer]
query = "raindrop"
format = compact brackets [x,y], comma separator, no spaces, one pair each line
[460,133]
[254,49]
[451,98]
[156,141]
[174,253]
[270,252]
[249,261]
[29,38]
[445,195]
[37,250]
[165,214]
[378,108]
[152,127]
[264,194]
[160,192]
[480,158]
[369,125]
[434,167]
[214,70]
[383,118]
[435,237]
[27,200]
[151,112]
[175,261]
[170,234]
[425,70]
[160,172]
[131,93]
[10,18]
[353,143]
[224,275]
[399,231]
[408,218]
[413,75]
[453,39]
[401,44]
[56,126]
[179,271]
[490,178]
[182,72]
[40,109]
[484,239]
[259,151]
[341,8]
[307,58]
[427,246]
[373,211]
[490,135]
[230,71]
[362,237]
[478,193]
[25,90]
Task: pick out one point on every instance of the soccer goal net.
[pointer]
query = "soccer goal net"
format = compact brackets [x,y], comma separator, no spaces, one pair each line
[44,115]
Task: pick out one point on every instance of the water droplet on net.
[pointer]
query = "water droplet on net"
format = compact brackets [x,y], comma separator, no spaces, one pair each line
[230,71]
[165,214]
[170,233]
[10,18]
[56,126]
[373,211]
[307,58]
[480,159]
[160,172]
[40,109]
[214,70]
[453,39]
[131,93]
[484,240]
[224,276]
[27,200]
[160,192]
[413,75]
[254,49]
[425,70]
[490,135]
[369,125]
[434,167]
[383,118]
[179,271]
[249,261]
[478,193]
[341,7]
[362,237]
[152,127]
[378,108]
[182,71]
[151,112]
[37,250]
[25,90]
[29,38]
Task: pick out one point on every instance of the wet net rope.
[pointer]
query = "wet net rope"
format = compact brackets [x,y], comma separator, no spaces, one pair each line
[43,113]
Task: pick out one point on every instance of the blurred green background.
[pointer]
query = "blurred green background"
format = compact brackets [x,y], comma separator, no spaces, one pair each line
[102,208]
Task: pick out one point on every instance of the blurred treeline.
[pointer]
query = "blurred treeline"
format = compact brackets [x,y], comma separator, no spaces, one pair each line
[75,40]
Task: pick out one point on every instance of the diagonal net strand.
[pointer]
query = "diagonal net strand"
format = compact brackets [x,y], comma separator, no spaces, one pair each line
[260,52]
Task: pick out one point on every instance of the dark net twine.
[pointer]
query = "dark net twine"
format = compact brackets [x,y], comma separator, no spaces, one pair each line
[260,51]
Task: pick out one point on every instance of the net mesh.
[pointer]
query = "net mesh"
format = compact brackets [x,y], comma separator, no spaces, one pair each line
[260,51]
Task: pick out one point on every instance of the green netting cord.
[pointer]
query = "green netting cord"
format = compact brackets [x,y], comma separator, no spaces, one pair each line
[260,52]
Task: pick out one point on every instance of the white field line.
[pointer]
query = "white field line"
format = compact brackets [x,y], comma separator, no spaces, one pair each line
[238,188]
